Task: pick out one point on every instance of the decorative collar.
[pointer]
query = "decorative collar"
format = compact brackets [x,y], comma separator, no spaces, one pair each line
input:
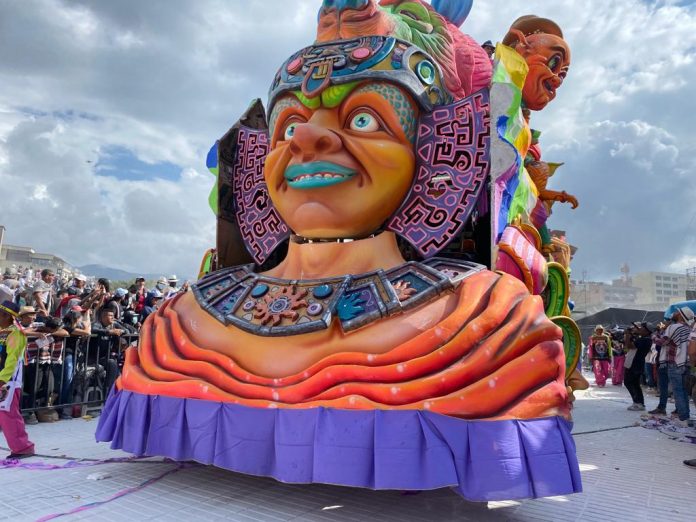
[269,306]
[300,240]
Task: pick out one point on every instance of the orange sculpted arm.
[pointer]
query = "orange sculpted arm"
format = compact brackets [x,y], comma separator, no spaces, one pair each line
[495,356]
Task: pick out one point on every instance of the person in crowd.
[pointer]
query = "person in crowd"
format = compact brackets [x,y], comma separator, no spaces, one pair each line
[140,294]
[44,358]
[96,298]
[637,343]
[676,344]
[599,352]
[489,48]
[162,285]
[76,322]
[27,319]
[152,303]
[116,303]
[171,290]
[691,353]
[78,287]
[12,345]
[62,295]
[108,333]
[43,293]
[649,376]
[662,377]
[691,350]
[66,303]
[130,316]
[9,285]
[618,357]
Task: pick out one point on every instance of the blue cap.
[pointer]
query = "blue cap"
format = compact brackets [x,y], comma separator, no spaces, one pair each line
[10,308]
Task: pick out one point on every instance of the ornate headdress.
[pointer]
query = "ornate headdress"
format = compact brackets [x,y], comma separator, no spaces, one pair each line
[451,147]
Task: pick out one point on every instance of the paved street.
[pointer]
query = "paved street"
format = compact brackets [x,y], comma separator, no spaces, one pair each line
[629,473]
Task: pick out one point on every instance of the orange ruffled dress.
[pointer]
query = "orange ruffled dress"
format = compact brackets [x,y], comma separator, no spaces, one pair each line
[496,356]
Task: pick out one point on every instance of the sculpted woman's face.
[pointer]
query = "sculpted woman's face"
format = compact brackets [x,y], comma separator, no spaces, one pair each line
[342,168]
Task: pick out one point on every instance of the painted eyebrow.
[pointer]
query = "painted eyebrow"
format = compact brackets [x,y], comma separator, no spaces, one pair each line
[559,49]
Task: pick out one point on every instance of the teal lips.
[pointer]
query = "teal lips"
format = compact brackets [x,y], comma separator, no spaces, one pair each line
[317,174]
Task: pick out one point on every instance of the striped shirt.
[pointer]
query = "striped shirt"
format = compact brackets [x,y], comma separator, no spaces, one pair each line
[47,349]
[677,335]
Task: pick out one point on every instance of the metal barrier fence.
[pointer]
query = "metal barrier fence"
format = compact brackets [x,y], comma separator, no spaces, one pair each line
[74,377]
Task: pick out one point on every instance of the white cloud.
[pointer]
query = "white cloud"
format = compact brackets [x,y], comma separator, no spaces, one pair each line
[164,80]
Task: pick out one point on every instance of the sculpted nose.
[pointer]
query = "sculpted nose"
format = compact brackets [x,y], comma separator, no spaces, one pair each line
[311,140]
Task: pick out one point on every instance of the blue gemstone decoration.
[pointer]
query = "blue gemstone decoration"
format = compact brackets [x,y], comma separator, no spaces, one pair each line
[349,307]
[322,292]
[259,291]
[426,72]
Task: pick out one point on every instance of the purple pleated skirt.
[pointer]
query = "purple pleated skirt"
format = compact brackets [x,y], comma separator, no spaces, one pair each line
[377,449]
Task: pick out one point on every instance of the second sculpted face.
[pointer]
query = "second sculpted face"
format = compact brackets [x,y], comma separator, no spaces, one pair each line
[548,58]
[342,163]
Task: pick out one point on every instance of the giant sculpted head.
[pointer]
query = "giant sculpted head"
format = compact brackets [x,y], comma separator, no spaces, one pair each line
[342,162]
[360,129]
[540,41]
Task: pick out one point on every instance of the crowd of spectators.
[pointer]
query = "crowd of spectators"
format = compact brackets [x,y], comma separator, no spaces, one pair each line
[659,358]
[77,330]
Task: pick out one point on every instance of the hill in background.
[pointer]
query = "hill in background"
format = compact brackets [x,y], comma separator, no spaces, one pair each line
[115,274]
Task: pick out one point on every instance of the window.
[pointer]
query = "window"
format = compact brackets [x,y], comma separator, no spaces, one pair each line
[675,279]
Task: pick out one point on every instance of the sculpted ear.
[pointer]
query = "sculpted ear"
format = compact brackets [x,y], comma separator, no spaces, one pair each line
[516,39]
[452,165]
[246,214]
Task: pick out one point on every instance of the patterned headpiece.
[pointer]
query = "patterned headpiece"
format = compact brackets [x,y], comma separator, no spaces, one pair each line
[377,58]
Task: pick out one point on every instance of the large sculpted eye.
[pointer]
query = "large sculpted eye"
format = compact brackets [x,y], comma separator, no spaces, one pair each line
[290,130]
[363,121]
[554,62]
[289,127]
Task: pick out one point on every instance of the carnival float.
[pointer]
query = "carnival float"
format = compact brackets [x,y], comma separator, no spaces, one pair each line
[385,306]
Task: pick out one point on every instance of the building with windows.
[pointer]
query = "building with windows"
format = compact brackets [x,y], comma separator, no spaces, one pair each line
[591,297]
[27,257]
[691,283]
[660,289]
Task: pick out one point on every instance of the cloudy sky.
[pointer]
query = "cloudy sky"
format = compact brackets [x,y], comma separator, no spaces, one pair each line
[108,108]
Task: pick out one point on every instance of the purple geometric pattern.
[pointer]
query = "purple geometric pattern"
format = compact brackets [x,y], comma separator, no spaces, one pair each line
[452,163]
[262,227]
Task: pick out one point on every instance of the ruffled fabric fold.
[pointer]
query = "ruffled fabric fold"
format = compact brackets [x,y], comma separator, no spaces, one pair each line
[377,449]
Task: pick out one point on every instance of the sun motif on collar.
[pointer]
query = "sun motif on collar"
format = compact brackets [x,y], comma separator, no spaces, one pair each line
[280,304]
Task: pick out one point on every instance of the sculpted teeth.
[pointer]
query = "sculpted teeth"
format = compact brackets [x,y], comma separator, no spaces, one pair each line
[315,176]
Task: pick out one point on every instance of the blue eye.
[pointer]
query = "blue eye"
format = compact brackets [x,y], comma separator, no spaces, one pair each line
[290,131]
[364,122]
